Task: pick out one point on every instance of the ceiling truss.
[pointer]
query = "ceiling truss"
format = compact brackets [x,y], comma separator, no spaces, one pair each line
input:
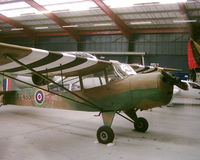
[122,26]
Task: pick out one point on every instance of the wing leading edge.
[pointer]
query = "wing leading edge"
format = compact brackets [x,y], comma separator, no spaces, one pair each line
[42,61]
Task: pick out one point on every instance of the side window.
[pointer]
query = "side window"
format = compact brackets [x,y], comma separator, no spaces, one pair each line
[112,76]
[94,80]
[76,86]
[70,83]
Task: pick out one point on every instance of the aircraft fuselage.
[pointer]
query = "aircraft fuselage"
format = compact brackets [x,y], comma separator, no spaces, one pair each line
[142,91]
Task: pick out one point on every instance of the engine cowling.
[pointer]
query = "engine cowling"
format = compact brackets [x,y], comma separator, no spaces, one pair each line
[37,80]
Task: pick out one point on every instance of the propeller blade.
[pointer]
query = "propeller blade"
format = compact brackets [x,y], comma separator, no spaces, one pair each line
[174,80]
[182,85]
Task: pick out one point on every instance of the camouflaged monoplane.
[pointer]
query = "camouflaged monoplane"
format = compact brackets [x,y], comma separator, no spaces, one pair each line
[79,81]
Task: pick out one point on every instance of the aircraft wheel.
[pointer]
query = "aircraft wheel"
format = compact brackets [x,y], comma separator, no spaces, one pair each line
[105,135]
[141,124]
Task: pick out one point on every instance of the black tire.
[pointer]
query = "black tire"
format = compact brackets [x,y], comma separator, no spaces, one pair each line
[141,124]
[105,135]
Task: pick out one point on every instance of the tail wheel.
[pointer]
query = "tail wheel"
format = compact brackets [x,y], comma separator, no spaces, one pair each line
[105,135]
[141,124]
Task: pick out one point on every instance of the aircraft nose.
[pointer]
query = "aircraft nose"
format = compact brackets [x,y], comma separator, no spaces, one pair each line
[164,85]
[151,90]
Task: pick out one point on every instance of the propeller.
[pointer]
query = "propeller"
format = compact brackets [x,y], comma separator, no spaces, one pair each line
[174,80]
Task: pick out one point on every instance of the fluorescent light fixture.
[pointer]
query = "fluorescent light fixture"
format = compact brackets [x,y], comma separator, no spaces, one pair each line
[169,1]
[42,27]
[51,2]
[27,14]
[153,2]
[119,3]
[19,12]
[146,3]
[70,26]
[102,24]
[43,12]
[17,29]
[78,6]
[184,21]
[11,6]
[129,3]
[141,22]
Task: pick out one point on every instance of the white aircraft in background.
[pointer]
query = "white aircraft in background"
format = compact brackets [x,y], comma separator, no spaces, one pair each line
[191,96]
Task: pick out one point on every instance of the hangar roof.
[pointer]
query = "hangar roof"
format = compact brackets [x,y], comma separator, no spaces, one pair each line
[84,17]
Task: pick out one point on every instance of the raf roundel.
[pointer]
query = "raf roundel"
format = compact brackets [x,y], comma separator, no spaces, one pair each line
[39,96]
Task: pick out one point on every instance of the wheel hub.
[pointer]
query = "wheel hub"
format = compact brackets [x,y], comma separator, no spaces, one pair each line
[104,135]
[140,125]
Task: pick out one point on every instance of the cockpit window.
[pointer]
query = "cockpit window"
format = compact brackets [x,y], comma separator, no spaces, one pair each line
[94,80]
[111,74]
[82,54]
[70,83]
[119,71]
[123,70]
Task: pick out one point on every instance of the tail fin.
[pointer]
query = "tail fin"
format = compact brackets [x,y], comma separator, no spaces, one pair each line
[1,90]
[7,92]
[7,84]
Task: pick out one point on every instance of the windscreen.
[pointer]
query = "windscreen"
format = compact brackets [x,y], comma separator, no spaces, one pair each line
[123,70]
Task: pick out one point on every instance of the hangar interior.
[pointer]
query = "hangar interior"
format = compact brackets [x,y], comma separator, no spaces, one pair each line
[161,30]
[120,30]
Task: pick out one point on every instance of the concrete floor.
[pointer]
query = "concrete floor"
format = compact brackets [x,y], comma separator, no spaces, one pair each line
[29,133]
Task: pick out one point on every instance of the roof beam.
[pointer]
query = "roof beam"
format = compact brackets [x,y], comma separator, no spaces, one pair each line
[60,22]
[16,24]
[120,24]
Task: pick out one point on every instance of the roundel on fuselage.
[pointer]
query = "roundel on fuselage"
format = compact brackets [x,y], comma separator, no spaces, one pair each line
[39,97]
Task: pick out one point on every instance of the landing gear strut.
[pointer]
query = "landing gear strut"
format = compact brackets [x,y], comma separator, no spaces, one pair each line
[105,133]
[140,123]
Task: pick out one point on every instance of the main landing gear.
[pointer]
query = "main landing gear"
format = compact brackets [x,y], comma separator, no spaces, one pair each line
[140,123]
[105,133]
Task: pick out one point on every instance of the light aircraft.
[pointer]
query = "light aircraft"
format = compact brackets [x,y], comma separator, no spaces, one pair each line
[78,81]
[190,97]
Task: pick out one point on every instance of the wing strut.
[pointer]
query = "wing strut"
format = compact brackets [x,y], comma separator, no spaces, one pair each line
[32,85]
[51,81]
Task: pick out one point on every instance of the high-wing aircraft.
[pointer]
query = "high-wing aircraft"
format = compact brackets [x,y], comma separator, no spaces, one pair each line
[78,81]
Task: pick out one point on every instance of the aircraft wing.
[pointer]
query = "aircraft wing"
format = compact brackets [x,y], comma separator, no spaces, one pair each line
[47,62]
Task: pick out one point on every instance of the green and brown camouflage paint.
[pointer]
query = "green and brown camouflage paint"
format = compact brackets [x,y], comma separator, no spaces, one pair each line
[142,91]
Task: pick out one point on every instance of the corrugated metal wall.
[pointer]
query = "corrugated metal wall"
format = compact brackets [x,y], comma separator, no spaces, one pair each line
[161,44]
[108,43]
[169,49]
[57,43]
